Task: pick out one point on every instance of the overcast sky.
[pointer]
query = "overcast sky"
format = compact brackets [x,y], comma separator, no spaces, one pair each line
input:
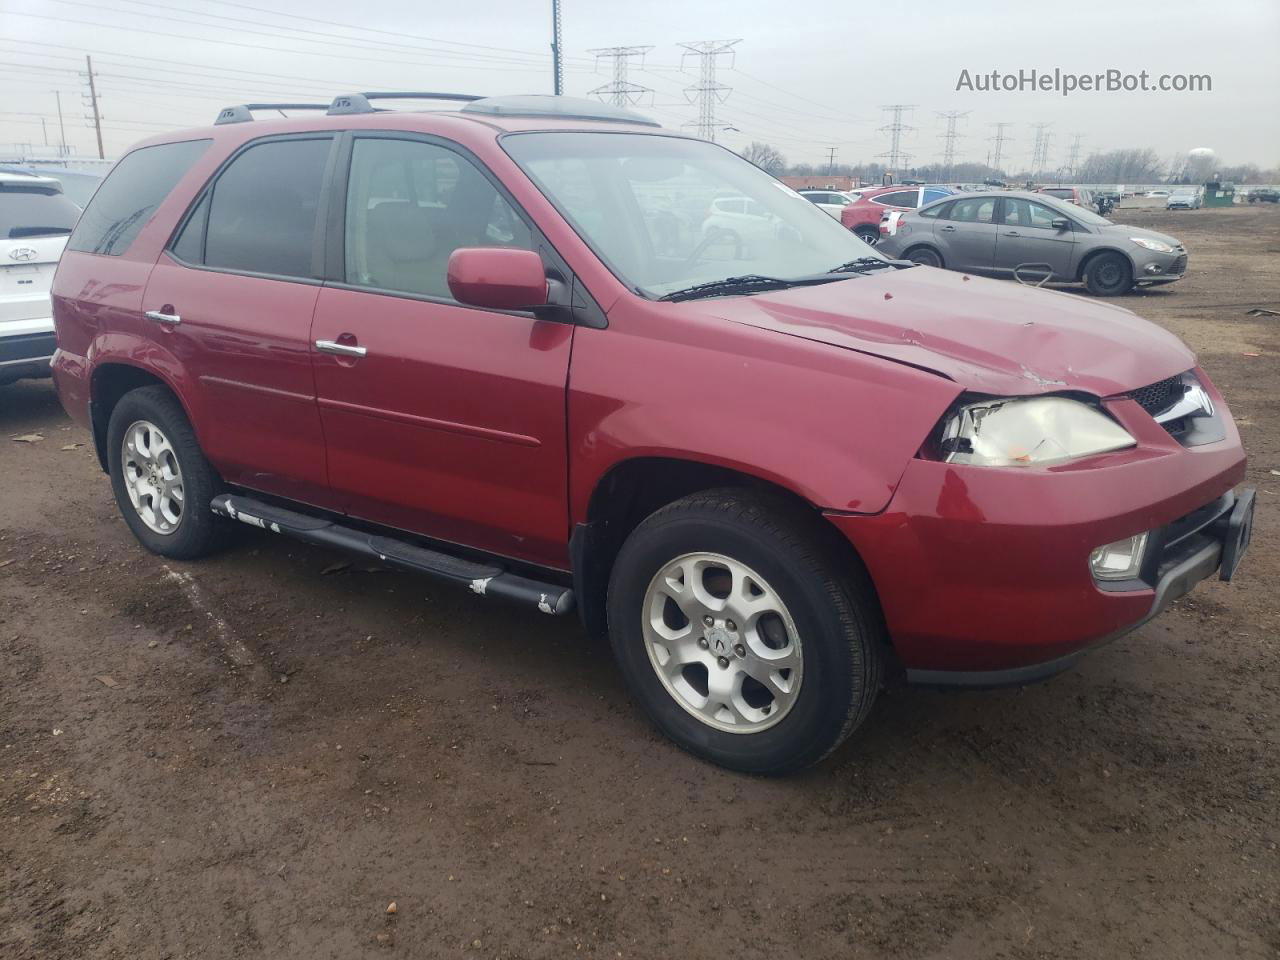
[802,82]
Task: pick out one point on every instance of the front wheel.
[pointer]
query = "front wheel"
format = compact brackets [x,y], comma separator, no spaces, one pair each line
[925,256]
[1108,275]
[747,637]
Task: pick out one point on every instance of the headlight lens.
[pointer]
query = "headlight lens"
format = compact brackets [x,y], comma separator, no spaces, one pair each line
[1030,431]
[1148,244]
[1120,560]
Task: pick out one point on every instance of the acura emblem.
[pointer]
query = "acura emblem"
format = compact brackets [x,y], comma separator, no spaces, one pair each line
[23,253]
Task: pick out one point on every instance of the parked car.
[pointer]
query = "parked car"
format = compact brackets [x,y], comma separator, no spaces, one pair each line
[1184,198]
[1156,194]
[445,340]
[1032,236]
[35,221]
[742,223]
[1264,195]
[1077,195]
[832,201]
[863,215]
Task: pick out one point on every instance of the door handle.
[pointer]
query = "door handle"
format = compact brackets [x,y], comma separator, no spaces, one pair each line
[341,349]
[168,319]
[948,229]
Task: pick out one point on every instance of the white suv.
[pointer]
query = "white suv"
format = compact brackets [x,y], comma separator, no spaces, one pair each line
[832,201]
[35,220]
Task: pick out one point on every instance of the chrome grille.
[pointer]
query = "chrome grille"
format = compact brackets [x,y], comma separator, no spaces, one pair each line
[1158,397]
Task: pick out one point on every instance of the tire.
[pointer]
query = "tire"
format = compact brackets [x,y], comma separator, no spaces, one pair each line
[925,256]
[868,235]
[1108,275]
[164,448]
[815,610]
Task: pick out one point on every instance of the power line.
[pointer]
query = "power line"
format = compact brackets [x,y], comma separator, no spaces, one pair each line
[1000,139]
[949,138]
[621,92]
[896,128]
[707,92]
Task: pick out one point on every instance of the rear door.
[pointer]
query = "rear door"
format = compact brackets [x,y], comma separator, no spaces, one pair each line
[441,419]
[1027,243]
[233,297]
[966,234]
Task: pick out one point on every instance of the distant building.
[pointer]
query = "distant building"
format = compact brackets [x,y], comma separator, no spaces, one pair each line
[822,183]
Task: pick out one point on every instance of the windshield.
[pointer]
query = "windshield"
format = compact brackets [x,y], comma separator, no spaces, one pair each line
[666,213]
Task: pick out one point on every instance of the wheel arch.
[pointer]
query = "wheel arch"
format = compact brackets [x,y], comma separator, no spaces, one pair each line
[1092,255]
[110,380]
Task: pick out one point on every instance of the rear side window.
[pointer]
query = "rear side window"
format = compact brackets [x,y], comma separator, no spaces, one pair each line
[133,190]
[35,213]
[261,212]
[931,195]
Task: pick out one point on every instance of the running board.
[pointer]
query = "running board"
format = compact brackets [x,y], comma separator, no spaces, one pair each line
[485,579]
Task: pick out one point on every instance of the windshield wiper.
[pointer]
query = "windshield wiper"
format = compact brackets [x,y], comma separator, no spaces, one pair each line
[748,283]
[870,263]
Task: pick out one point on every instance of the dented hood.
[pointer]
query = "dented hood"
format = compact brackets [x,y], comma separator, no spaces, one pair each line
[990,336]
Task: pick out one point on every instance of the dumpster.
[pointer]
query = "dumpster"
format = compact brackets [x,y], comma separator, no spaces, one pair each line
[1219,194]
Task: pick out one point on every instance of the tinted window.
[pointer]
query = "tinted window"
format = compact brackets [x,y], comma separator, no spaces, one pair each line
[262,215]
[190,245]
[410,205]
[35,213]
[133,190]
[933,194]
[900,198]
[973,210]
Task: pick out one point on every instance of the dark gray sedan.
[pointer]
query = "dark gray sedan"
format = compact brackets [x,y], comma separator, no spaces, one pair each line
[1034,238]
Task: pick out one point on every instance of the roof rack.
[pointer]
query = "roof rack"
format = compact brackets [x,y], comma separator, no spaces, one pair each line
[243,112]
[359,102]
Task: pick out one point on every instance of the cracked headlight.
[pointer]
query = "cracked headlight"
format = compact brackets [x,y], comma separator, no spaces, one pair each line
[1029,431]
[1148,244]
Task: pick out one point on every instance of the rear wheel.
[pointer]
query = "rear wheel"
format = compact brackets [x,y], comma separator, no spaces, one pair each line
[925,256]
[868,235]
[743,632]
[161,480]
[1108,275]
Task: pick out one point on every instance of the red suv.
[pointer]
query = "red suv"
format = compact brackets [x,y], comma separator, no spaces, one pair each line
[495,344]
[863,215]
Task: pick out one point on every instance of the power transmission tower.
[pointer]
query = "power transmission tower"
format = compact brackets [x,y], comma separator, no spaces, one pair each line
[557,63]
[999,140]
[896,128]
[1040,149]
[949,139]
[707,92]
[92,104]
[621,92]
[831,161]
[1073,158]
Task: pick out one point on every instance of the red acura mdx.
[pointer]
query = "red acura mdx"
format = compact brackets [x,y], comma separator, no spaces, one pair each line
[494,344]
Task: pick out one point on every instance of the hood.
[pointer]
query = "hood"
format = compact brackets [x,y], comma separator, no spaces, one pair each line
[1129,231]
[990,336]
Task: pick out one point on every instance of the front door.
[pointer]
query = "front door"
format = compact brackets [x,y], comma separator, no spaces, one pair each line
[1028,244]
[440,419]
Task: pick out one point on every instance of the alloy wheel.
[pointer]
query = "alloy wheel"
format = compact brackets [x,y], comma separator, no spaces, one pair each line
[152,476]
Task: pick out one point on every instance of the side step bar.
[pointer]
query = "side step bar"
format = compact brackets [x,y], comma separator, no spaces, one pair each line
[485,579]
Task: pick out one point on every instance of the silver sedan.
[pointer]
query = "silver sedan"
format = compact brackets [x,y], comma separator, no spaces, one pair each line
[1034,238]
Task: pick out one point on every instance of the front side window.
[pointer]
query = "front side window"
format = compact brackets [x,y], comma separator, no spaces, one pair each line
[134,188]
[261,215]
[410,205]
[1024,213]
[664,212]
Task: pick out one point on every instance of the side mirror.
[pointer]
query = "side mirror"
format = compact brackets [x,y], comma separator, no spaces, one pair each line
[1060,223]
[498,278]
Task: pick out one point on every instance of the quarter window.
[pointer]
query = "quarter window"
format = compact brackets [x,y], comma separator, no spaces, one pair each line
[134,188]
[410,205]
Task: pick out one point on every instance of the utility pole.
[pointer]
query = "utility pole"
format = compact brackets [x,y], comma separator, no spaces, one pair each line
[707,92]
[1000,140]
[896,128]
[557,65]
[831,161]
[949,139]
[93,105]
[1040,150]
[62,129]
[621,93]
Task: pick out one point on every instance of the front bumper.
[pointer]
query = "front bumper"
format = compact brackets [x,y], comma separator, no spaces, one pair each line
[983,573]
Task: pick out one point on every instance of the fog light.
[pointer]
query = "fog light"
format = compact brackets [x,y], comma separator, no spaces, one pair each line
[1120,560]
[1152,268]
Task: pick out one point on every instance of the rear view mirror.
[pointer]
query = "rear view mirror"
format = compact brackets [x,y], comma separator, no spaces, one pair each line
[1060,223]
[498,279]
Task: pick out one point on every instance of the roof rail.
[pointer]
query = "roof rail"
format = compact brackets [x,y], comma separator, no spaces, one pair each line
[243,113]
[359,102]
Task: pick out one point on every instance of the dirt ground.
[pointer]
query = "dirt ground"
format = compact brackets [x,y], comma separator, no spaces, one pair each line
[252,756]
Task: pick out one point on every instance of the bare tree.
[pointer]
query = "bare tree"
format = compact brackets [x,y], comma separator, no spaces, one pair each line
[766,156]
[1131,165]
